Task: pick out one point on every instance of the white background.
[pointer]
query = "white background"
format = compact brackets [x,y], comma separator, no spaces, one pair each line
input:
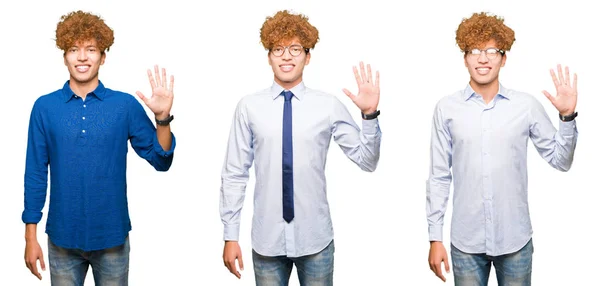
[213,49]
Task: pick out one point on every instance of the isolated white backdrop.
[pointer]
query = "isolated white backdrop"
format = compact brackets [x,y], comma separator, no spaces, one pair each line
[213,50]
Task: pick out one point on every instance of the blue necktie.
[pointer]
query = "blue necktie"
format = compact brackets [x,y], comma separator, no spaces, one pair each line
[288,159]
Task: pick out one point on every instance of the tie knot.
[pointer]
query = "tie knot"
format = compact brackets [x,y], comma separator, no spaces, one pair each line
[287,95]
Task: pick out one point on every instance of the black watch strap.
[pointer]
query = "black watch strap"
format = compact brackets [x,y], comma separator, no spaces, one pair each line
[165,121]
[567,118]
[370,115]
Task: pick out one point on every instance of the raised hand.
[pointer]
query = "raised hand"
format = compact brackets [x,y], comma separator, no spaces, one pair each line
[162,95]
[368,90]
[565,99]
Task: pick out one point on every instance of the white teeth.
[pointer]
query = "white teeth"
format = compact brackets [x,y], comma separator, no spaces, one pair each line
[82,68]
[483,69]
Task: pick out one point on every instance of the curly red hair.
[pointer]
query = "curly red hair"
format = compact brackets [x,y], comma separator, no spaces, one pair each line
[285,26]
[481,28]
[82,26]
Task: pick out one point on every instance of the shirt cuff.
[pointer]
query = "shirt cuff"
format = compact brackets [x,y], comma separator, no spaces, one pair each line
[231,232]
[567,128]
[31,216]
[370,127]
[159,149]
[435,233]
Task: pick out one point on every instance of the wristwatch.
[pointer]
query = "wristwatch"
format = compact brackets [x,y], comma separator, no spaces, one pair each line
[567,118]
[370,115]
[165,121]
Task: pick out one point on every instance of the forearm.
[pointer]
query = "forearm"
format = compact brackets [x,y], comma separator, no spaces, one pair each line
[231,203]
[438,193]
[163,133]
[30,232]
[565,145]
[370,144]
[558,148]
[360,146]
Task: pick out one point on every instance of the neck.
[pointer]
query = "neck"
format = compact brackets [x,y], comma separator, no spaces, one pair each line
[83,88]
[288,85]
[487,91]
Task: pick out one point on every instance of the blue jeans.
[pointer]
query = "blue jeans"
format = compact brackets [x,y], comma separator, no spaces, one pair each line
[512,269]
[313,270]
[68,267]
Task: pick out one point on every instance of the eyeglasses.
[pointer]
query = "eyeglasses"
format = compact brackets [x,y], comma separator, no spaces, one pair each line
[295,50]
[490,53]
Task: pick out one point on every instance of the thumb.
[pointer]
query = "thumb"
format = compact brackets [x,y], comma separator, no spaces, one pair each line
[142,97]
[446,264]
[42,263]
[241,261]
[349,94]
[548,95]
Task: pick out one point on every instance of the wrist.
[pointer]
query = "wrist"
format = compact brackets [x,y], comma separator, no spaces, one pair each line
[161,116]
[29,237]
[369,110]
[567,117]
[30,232]
[370,116]
[566,112]
[165,121]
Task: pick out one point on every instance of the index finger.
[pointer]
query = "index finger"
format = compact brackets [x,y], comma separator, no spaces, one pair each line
[554,79]
[172,83]
[437,269]
[560,73]
[362,72]
[33,268]
[358,80]
[232,268]
[151,79]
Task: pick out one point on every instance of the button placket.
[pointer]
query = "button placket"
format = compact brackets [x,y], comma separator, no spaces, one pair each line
[486,143]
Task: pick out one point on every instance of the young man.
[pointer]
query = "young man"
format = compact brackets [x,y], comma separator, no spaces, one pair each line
[81,133]
[481,133]
[291,222]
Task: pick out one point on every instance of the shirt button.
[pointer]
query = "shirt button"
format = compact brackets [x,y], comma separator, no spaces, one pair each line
[82,131]
[84,106]
[83,118]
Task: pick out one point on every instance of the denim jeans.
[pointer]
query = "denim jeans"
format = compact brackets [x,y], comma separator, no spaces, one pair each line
[68,267]
[512,269]
[313,270]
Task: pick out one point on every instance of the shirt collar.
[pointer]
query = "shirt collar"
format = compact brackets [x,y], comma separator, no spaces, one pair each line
[297,90]
[99,92]
[469,92]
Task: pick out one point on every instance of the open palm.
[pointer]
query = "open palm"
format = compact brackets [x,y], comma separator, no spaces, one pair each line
[368,90]
[565,100]
[162,95]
